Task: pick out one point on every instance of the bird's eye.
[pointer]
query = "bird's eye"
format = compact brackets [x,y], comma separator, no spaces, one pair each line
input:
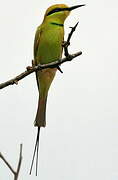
[54,10]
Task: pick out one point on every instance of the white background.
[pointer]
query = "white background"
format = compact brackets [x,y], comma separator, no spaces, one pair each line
[81,137]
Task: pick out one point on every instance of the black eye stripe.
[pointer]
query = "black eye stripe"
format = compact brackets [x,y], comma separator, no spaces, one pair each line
[54,10]
[57,10]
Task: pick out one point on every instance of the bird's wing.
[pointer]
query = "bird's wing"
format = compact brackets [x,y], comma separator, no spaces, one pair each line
[36,41]
[36,44]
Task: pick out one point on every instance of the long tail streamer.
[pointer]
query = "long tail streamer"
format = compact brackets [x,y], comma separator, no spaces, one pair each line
[36,149]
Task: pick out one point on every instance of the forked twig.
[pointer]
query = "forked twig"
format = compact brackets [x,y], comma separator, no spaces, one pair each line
[15,173]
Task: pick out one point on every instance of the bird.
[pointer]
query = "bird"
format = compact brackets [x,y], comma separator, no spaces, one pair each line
[48,48]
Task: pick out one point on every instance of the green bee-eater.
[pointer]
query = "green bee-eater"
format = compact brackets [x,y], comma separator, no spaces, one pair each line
[48,48]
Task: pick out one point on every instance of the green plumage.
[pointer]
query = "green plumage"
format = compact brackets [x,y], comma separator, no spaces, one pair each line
[48,48]
[49,38]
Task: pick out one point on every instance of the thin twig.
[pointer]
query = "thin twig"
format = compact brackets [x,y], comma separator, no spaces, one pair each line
[72,31]
[39,67]
[15,173]
[7,163]
[67,43]
[19,163]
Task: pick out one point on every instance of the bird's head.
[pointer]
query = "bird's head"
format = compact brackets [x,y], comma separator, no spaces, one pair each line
[59,12]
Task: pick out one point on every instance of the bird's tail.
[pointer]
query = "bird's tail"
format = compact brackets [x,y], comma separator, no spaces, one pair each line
[45,79]
[40,121]
[35,152]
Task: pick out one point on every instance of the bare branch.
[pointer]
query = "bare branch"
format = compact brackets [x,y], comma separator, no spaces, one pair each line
[39,67]
[67,43]
[19,163]
[7,163]
[15,173]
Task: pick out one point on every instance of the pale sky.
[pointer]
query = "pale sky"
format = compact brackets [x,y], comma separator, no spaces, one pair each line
[80,141]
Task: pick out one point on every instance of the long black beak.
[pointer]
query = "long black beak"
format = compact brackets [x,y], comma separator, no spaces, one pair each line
[64,9]
[74,7]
